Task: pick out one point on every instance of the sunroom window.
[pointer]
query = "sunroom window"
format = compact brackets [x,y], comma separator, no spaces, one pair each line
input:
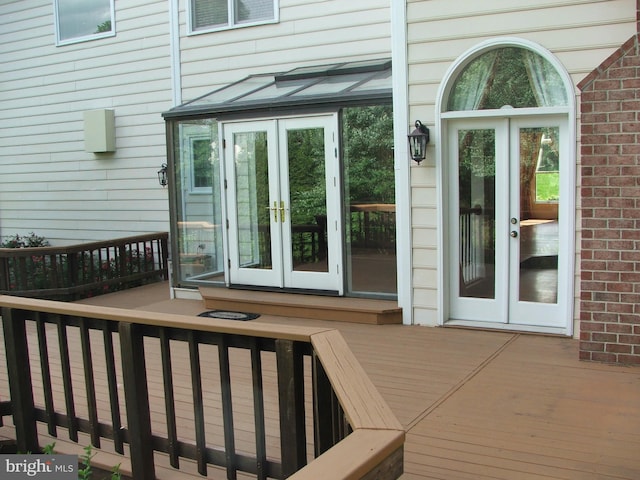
[82,20]
[207,15]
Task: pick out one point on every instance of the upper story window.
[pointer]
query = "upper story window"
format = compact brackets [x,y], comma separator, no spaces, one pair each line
[82,20]
[208,15]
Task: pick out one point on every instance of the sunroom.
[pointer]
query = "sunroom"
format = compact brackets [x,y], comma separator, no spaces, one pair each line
[285,182]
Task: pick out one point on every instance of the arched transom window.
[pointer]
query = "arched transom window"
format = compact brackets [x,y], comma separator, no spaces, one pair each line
[507,77]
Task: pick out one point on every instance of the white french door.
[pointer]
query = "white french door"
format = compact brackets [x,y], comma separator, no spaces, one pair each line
[283,203]
[510,257]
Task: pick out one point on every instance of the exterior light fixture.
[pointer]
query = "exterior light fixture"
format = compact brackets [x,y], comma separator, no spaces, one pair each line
[418,140]
[162,175]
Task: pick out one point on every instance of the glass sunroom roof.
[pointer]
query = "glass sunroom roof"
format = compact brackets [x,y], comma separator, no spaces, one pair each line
[336,83]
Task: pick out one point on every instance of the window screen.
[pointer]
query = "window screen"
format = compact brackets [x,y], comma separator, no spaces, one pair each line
[211,14]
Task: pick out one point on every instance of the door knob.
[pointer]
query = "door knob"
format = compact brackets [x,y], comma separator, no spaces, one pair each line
[513,233]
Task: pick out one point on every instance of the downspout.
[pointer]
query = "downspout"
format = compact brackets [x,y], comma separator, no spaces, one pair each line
[176,98]
[174,47]
[400,84]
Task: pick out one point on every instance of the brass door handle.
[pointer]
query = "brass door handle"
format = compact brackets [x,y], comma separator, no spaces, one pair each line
[281,211]
[274,209]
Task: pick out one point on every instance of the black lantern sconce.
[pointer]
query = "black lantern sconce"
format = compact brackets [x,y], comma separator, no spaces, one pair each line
[162,175]
[418,140]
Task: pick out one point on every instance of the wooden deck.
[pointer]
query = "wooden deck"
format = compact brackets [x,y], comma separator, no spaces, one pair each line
[476,404]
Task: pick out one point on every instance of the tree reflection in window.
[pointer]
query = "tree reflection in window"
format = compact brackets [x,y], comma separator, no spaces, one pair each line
[509,76]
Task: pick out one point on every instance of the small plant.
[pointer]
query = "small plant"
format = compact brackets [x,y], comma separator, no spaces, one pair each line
[31,240]
[84,472]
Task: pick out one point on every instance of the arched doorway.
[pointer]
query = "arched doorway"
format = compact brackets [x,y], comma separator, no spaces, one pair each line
[508,176]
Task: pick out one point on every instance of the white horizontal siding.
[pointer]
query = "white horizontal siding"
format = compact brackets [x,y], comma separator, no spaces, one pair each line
[580,33]
[48,183]
[309,33]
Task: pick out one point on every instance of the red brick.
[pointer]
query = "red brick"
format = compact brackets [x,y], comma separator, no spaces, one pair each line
[629,105]
[593,327]
[629,359]
[607,84]
[619,287]
[621,72]
[606,255]
[617,348]
[607,276]
[604,357]
[619,328]
[630,277]
[602,149]
[616,307]
[631,83]
[625,94]
[622,181]
[626,150]
[593,96]
[592,346]
[632,339]
[620,225]
[632,298]
[631,126]
[630,256]
[621,203]
[591,244]
[620,266]
[623,117]
[584,355]
[621,245]
[593,306]
[606,317]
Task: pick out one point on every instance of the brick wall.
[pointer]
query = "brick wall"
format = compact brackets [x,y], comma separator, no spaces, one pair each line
[610,261]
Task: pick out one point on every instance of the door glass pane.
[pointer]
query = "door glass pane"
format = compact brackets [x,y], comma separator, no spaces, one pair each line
[252,200]
[476,186]
[539,197]
[308,199]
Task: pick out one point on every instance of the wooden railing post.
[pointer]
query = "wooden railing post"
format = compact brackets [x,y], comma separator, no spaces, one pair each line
[291,397]
[4,274]
[20,384]
[137,400]
[323,411]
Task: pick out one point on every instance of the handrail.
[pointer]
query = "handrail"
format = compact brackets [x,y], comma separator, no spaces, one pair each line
[355,433]
[76,271]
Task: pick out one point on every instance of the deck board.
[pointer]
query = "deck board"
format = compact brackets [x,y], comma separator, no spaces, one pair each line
[475,404]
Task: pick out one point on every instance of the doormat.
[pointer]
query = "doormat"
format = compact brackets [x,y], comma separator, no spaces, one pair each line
[229,315]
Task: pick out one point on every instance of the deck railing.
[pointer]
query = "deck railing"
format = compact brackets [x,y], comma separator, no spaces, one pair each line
[271,401]
[76,271]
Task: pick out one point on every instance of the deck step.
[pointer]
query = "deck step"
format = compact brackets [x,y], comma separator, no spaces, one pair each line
[340,309]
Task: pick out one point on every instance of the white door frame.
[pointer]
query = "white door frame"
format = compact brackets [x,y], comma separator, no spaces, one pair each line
[283,274]
[443,176]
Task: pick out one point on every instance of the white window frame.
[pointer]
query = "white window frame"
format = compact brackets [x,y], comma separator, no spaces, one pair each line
[84,38]
[231,14]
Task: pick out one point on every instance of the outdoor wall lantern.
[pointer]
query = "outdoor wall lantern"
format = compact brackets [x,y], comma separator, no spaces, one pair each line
[162,175]
[418,140]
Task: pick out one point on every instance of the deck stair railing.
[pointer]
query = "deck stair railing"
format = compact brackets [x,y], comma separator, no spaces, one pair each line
[76,271]
[270,401]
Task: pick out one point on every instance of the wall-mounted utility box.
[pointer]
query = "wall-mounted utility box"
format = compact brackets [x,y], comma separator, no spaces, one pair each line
[99,131]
